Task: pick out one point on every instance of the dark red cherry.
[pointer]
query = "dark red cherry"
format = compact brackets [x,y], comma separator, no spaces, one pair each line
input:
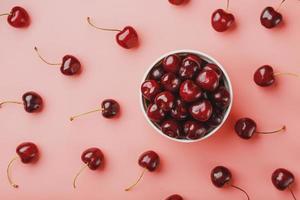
[70,65]
[150,88]
[18,17]
[189,91]
[174,197]
[245,128]
[110,108]
[171,128]
[170,82]
[194,58]
[33,102]
[155,113]
[201,110]
[177,2]
[156,73]
[215,119]
[282,179]
[165,100]
[264,76]
[93,158]
[210,66]
[221,97]
[171,63]
[180,110]
[149,160]
[28,152]
[220,176]
[208,80]
[194,130]
[221,20]
[270,18]
[189,68]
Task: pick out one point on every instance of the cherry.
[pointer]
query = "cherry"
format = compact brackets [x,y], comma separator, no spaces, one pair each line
[27,152]
[174,197]
[201,110]
[126,38]
[179,111]
[265,76]
[221,97]
[93,158]
[32,101]
[109,109]
[270,18]
[155,113]
[246,128]
[150,88]
[171,128]
[156,73]
[283,179]
[149,160]
[215,119]
[221,176]
[171,63]
[194,130]
[18,17]
[69,66]
[189,91]
[165,100]
[221,20]
[214,67]
[194,58]
[208,80]
[189,68]
[170,82]
[177,2]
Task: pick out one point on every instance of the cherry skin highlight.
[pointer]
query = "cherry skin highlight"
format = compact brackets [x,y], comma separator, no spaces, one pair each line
[170,82]
[70,65]
[171,63]
[155,113]
[283,179]
[189,91]
[208,80]
[33,102]
[165,100]
[156,73]
[189,68]
[171,128]
[194,130]
[150,88]
[180,110]
[110,108]
[201,110]
[264,76]
[18,17]
[221,97]
[221,20]
[270,18]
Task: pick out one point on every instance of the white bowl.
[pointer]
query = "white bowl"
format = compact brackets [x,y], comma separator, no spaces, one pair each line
[227,85]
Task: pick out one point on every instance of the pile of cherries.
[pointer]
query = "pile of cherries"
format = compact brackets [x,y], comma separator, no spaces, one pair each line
[185,96]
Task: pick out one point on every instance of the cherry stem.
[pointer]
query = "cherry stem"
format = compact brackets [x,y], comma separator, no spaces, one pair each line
[103,29]
[280,4]
[78,173]
[86,113]
[5,102]
[283,128]
[137,181]
[227,6]
[238,188]
[292,193]
[45,61]
[4,14]
[8,172]
[287,73]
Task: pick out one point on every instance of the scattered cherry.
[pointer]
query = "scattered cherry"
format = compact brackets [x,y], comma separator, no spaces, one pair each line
[221,176]
[165,100]
[189,91]
[270,17]
[283,179]
[174,197]
[194,130]
[69,66]
[201,110]
[109,109]
[155,113]
[177,2]
[171,63]
[126,38]
[93,158]
[208,80]
[246,128]
[171,128]
[221,20]
[180,110]
[32,101]
[150,88]
[149,160]
[18,17]
[27,152]
[170,82]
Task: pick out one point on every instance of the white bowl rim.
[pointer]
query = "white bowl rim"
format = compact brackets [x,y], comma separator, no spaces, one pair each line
[206,57]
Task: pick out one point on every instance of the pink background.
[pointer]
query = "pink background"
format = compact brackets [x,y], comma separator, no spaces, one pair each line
[59,27]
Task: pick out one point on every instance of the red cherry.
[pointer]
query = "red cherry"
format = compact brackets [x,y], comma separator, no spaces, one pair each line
[264,76]
[179,111]
[177,2]
[93,158]
[201,110]
[156,73]
[174,197]
[69,66]
[18,17]
[189,68]
[221,97]
[171,63]
[155,113]
[214,67]
[165,100]
[208,80]
[150,88]
[221,20]
[170,82]
[283,179]
[149,160]
[126,38]
[171,128]
[270,18]
[28,153]
[189,91]
[194,130]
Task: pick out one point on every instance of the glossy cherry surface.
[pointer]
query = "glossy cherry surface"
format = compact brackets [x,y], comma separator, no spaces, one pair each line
[18,17]
[208,80]
[33,102]
[170,82]
[194,130]
[189,91]
[70,65]
[174,197]
[264,76]
[282,179]
[171,128]
[128,38]
[214,67]
[221,97]
[171,63]
[28,152]
[110,108]
[93,158]
[189,68]
[150,88]
[222,20]
[165,100]
[220,176]
[201,110]
[149,160]
[156,73]
[245,128]
[180,110]
[177,2]
[270,18]
[155,113]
